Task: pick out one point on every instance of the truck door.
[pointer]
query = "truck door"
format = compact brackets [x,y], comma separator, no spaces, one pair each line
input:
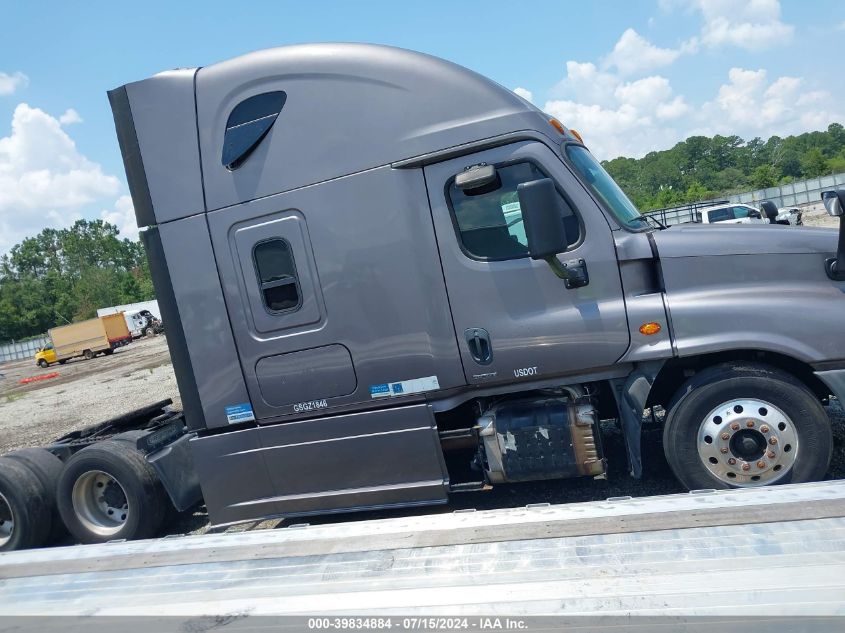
[514,318]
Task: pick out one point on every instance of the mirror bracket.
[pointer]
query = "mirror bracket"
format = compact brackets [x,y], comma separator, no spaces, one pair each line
[573,272]
[834,272]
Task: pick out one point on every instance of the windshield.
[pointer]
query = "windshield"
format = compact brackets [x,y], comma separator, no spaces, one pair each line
[603,186]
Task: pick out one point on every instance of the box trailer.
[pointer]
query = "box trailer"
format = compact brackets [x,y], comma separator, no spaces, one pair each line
[143,318]
[88,338]
[386,279]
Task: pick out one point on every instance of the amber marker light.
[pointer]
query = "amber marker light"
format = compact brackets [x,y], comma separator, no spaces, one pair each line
[557,125]
[576,135]
[649,328]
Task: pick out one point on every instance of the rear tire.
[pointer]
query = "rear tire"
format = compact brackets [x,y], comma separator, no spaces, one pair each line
[745,425]
[47,467]
[24,507]
[108,491]
[88,354]
[43,364]
[109,352]
[62,362]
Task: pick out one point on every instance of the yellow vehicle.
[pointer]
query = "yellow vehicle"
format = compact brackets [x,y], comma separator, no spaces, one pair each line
[88,338]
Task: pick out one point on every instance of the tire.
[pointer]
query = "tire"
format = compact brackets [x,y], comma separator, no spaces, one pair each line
[108,352]
[88,354]
[47,467]
[43,364]
[760,417]
[137,500]
[25,503]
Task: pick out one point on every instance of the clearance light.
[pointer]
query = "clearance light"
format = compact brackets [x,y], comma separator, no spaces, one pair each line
[649,328]
[578,136]
[558,125]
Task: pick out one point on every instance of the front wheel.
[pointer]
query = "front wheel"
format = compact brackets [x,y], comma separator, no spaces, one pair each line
[736,426]
[43,364]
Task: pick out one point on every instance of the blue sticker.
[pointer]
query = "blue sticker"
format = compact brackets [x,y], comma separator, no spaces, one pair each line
[379,390]
[240,413]
[397,387]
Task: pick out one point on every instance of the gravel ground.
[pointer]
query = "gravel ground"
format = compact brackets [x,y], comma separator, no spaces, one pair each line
[85,392]
[91,391]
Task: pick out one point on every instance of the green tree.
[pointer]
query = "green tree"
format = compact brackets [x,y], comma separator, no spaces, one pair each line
[764,176]
[62,275]
[813,162]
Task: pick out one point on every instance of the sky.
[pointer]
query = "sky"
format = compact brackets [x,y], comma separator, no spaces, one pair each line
[630,76]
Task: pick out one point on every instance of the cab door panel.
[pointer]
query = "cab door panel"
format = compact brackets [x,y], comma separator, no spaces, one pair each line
[536,326]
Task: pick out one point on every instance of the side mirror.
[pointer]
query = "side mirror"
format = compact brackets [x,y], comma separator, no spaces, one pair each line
[768,207]
[541,215]
[834,202]
[478,177]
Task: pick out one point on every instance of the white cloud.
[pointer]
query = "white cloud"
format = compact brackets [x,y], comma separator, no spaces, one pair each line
[749,105]
[524,93]
[44,180]
[70,117]
[634,54]
[614,116]
[632,118]
[586,83]
[10,83]
[123,217]
[753,25]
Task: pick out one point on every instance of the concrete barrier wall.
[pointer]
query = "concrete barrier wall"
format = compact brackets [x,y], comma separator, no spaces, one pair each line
[794,194]
[22,350]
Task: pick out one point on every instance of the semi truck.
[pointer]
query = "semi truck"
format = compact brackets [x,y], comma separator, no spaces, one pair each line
[386,278]
[142,318]
[85,339]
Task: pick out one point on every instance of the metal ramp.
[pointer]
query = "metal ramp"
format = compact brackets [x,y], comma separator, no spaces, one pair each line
[764,552]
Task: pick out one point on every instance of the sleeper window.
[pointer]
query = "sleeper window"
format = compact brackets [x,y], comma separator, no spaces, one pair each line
[277,275]
[490,222]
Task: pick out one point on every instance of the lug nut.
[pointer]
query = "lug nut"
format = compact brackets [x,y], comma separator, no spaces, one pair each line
[750,424]
[725,436]
[761,464]
[732,461]
[746,467]
[764,428]
[773,440]
[723,450]
[770,454]
[735,426]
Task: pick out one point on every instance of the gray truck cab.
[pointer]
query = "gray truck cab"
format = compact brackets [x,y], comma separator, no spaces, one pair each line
[373,263]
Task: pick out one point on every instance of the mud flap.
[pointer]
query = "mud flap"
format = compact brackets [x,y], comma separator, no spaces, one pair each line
[631,394]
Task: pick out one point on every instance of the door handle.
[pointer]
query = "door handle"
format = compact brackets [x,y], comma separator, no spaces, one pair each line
[478,342]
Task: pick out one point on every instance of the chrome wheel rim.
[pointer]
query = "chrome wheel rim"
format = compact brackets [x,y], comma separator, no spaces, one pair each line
[747,442]
[7,521]
[100,503]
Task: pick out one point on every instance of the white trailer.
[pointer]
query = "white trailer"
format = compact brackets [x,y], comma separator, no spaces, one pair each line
[736,554]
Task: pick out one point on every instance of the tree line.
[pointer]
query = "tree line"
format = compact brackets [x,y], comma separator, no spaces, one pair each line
[702,168]
[63,275]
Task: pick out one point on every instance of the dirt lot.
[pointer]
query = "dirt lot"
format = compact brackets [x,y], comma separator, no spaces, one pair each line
[86,392]
[83,393]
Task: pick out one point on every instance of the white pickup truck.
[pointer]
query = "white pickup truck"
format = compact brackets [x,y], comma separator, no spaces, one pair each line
[733,214]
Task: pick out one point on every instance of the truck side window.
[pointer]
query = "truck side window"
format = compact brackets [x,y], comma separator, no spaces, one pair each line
[490,222]
[277,275]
